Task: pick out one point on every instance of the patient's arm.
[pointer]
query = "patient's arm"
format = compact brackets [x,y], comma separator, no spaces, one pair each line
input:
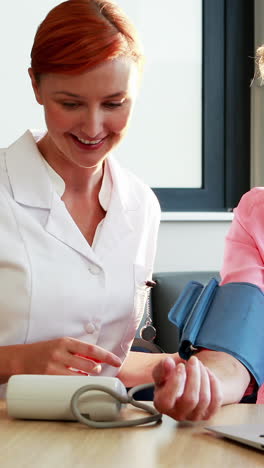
[233,375]
[190,390]
[196,391]
[138,367]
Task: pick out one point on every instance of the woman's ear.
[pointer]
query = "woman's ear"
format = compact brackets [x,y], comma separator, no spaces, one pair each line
[35,86]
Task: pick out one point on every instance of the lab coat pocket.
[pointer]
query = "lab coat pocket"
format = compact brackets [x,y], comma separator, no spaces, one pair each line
[141,292]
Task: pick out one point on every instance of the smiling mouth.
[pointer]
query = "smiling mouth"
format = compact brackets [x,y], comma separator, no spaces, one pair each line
[89,142]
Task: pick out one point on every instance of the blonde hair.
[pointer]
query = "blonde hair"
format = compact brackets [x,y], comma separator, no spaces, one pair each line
[260,61]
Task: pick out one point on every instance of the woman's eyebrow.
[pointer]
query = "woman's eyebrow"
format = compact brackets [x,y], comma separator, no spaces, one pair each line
[111,96]
[119,94]
[67,93]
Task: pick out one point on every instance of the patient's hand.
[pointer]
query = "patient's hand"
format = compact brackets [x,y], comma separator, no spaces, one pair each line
[187,390]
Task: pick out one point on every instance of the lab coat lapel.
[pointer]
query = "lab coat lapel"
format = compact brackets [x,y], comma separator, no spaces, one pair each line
[27,174]
[61,225]
[118,222]
[32,187]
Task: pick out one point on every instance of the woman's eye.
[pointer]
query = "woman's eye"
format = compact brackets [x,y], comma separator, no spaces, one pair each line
[71,105]
[112,105]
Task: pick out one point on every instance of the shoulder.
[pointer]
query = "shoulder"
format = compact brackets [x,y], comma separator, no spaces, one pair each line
[134,187]
[251,202]
[7,217]
[144,193]
[2,157]
[3,171]
[140,186]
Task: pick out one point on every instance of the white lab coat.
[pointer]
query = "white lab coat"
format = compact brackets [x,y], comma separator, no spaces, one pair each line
[52,282]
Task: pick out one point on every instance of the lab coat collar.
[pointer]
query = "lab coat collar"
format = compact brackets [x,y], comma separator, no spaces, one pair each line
[118,222]
[124,190]
[31,186]
[25,164]
[61,225]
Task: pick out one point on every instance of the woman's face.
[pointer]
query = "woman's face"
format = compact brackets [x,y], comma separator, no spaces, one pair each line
[87,114]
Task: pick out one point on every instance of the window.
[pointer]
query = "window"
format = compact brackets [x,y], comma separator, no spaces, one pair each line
[226,48]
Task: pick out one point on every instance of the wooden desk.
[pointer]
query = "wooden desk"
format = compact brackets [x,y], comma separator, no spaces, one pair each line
[44,444]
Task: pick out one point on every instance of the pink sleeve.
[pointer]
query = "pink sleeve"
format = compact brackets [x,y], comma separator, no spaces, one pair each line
[244,247]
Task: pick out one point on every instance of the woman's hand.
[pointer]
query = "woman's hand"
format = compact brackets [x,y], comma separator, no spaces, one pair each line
[186,390]
[62,356]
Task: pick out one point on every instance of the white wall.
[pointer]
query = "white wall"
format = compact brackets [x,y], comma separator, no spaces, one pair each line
[191,245]
[18,23]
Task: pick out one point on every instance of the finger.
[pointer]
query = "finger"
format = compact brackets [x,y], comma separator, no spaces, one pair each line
[162,370]
[204,396]
[82,364]
[63,370]
[96,371]
[216,395]
[190,398]
[88,357]
[73,371]
[93,352]
[166,395]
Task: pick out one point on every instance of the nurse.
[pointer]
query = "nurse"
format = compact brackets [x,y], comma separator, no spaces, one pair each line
[78,232]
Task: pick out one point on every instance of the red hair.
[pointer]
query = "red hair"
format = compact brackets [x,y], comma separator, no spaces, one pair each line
[79,34]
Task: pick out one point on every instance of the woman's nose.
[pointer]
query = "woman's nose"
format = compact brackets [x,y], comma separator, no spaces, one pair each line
[92,123]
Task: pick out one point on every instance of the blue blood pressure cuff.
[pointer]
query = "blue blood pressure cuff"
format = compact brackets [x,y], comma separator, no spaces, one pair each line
[227,318]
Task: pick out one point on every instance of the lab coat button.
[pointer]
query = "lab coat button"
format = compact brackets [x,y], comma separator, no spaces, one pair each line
[89,327]
[94,269]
